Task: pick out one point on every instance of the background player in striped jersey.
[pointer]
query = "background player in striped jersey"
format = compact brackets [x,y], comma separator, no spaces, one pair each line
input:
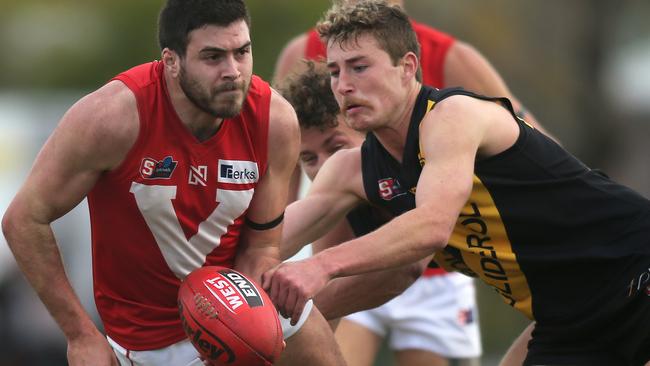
[421,329]
[479,186]
[445,61]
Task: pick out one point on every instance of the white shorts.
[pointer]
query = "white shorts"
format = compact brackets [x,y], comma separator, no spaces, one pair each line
[183,353]
[436,313]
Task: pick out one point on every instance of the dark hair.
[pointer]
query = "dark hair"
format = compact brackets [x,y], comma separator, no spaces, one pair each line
[180,17]
[311,96]
[388,24]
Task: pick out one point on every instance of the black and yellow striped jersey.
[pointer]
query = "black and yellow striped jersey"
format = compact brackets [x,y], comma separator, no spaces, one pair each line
[539,225]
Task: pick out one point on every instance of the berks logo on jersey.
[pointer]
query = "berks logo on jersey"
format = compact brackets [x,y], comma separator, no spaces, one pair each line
[153,169]
[389,188]
[238,171]
[234,290]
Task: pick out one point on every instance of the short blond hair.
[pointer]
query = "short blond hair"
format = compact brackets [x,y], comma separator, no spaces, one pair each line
[387,24]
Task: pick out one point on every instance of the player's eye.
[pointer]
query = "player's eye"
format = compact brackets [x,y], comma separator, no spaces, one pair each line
[359,68]
[213,56]
[308,159]
[338,147]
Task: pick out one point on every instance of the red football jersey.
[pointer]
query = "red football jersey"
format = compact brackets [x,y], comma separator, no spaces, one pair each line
[175,204]
[434,45]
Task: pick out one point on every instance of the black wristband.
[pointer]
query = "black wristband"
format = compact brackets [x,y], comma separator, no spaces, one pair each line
[267,225]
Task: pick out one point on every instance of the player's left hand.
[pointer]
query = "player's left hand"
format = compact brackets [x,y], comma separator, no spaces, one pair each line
[291,284]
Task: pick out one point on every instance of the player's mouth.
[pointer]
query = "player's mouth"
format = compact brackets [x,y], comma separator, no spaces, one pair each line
[350,108]
[229,88]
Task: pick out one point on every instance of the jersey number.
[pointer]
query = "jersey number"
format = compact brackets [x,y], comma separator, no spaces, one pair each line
[183,255]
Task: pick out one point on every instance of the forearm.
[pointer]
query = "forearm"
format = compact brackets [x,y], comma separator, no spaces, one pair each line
[307,220]
[256,254]
[344,296]
[37,255]
[406,239]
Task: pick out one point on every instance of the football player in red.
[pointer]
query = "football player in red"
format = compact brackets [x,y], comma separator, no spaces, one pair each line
[185,162]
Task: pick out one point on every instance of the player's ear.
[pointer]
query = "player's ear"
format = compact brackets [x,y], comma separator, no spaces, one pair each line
[410,65]
[171,60]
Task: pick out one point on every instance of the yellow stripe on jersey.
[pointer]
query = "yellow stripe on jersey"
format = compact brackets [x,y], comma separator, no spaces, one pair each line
[430,104]
[481,237]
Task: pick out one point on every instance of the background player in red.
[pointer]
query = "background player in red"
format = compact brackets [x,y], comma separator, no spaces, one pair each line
[185,163]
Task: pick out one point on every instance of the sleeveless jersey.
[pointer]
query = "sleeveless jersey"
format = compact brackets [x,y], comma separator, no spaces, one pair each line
[173,205]
[539,226]
[434,45]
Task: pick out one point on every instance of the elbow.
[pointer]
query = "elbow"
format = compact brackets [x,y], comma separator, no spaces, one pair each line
[406,276]
[16,224]
[435,240]
[286,251]
[9,225]
[417,269]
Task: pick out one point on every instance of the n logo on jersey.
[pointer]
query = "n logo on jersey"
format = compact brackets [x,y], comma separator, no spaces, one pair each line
[238,171]
[153,169]
[198,175]
[389,188]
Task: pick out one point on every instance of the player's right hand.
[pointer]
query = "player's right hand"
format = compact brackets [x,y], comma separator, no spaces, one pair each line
[91,350]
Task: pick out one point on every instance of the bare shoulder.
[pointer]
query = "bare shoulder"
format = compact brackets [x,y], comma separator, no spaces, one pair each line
[461,112]
[284,131]
[290,57]
[103,123]
[455,119]
[342,171]
[465,66]
[463,121]
[349,159]
[283,123]
[463,56]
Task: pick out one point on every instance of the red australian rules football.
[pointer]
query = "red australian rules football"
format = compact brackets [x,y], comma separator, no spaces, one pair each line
[229,319]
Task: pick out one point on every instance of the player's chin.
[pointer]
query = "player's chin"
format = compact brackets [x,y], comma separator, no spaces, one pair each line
[228,108]
[358,124]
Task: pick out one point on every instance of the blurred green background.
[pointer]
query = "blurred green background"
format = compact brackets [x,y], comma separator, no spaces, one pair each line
[582,67]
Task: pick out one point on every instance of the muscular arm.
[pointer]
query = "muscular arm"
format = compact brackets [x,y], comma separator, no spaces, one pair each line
[466,67]
[344,296]
[259,249]
[93,137]
[288,63]
[347,295]
[336,189]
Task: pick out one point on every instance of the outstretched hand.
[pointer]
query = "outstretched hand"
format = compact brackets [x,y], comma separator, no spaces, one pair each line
[291,284]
